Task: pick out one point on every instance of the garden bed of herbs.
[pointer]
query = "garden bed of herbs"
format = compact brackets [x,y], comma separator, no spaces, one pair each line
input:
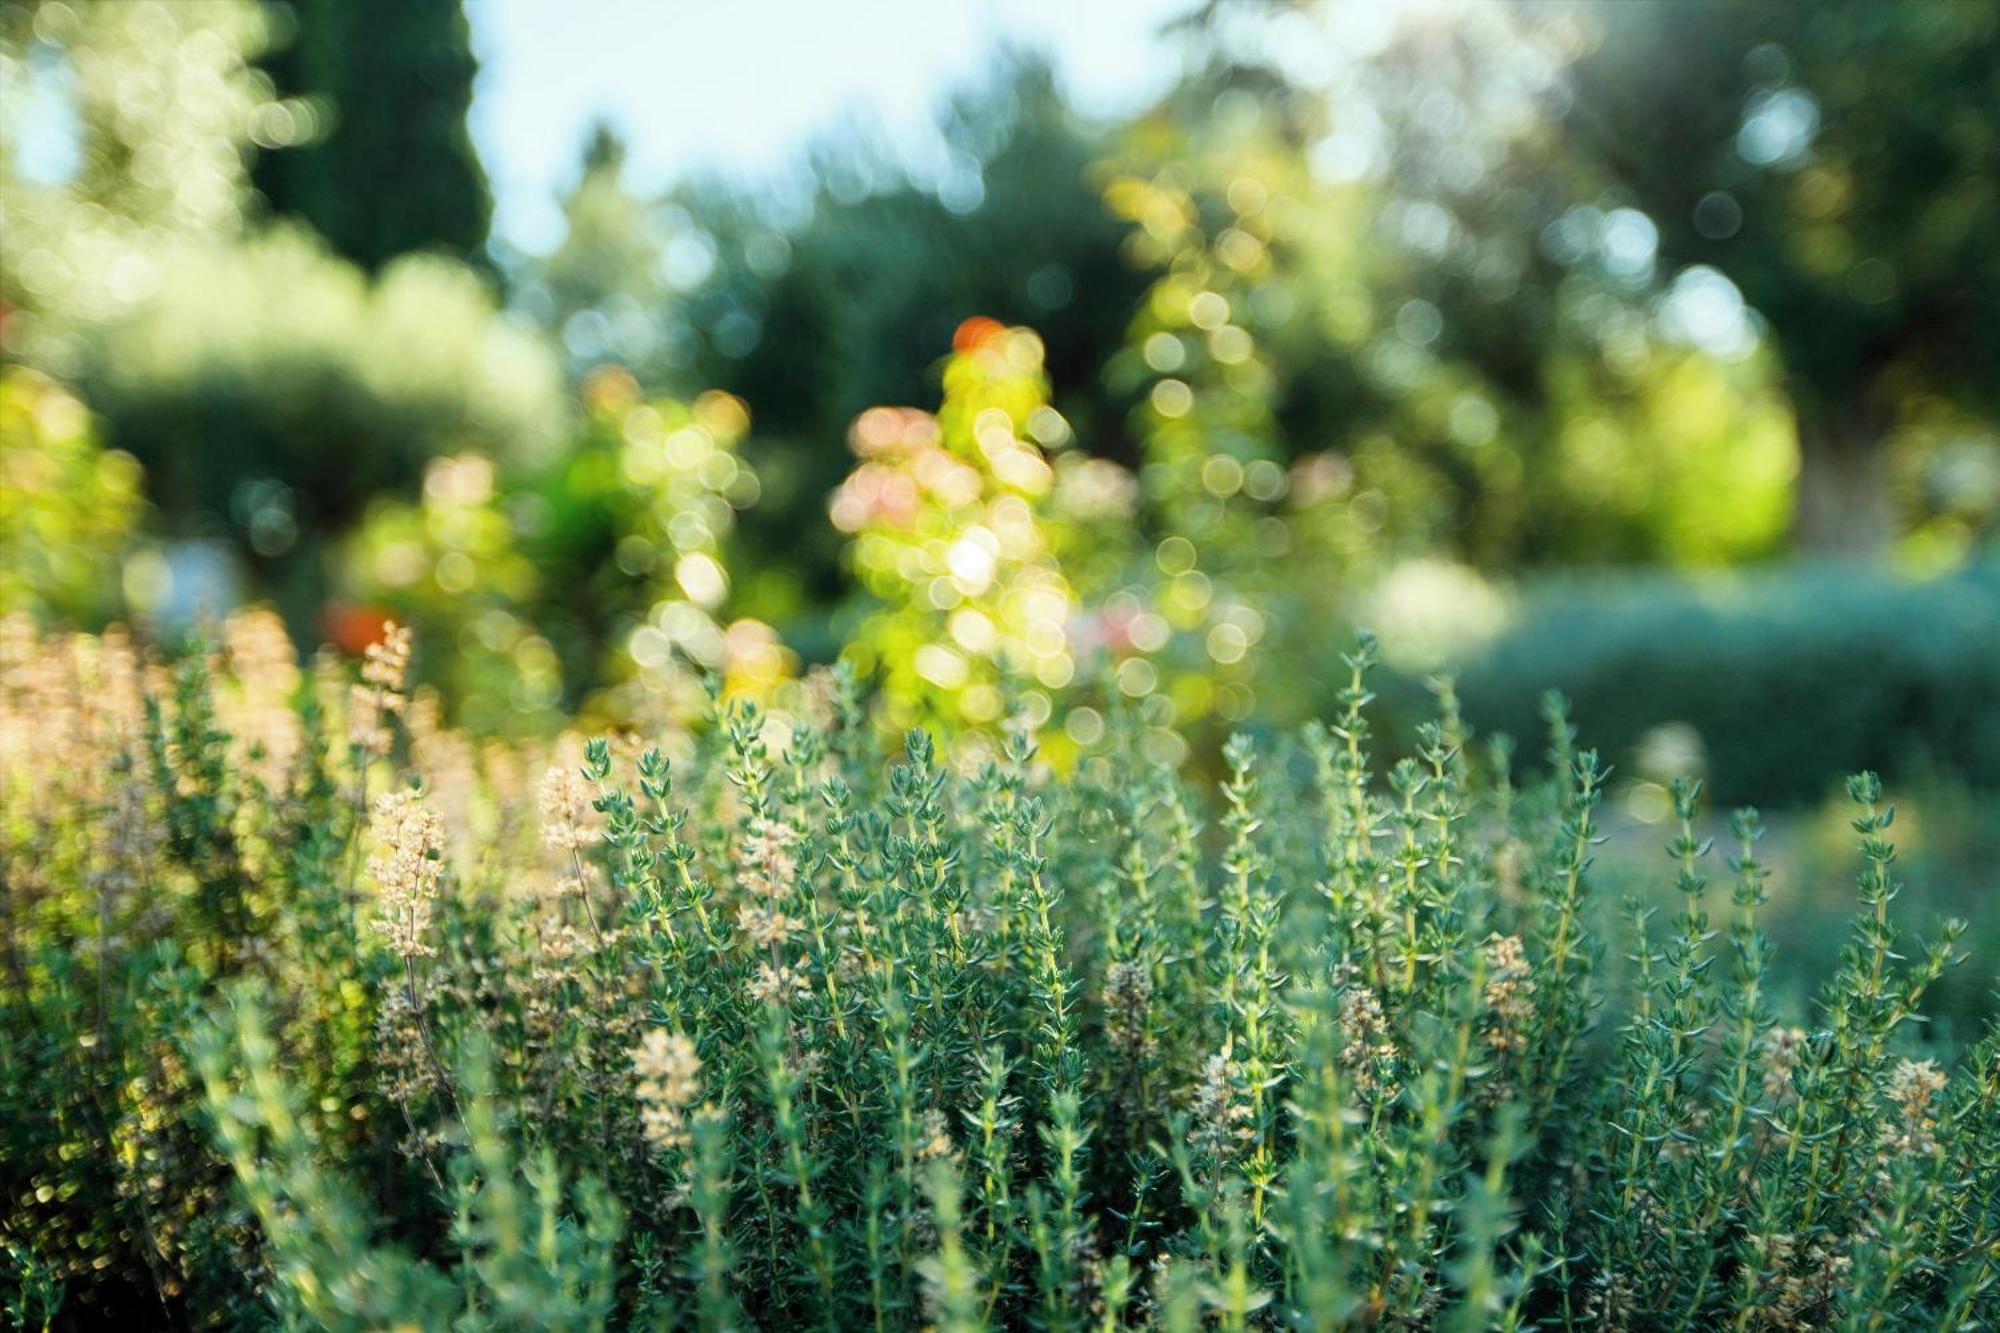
[319,1013]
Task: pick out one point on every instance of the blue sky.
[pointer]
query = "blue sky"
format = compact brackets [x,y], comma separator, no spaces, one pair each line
[742,86]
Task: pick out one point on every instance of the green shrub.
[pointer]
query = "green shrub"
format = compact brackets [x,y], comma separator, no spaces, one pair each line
[602,571]
[72,508]
[1788,679]
[308,1023]
[274,361]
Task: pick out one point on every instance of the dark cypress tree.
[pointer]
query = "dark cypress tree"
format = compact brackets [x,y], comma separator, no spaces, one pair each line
[396,171]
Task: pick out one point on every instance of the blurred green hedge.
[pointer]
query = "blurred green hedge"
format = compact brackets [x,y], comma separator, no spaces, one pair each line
[1789,678]
[275,361]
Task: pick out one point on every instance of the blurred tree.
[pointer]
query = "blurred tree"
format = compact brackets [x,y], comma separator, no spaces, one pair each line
[69,510]
[1343,205]
[602,293]
[271,388]
[123,132]
[1840,163]
[268,386]
[1620,387]
[1756,183]
[815,322]
[392,167]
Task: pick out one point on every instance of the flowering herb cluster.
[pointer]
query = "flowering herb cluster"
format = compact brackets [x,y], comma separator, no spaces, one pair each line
[318,1014]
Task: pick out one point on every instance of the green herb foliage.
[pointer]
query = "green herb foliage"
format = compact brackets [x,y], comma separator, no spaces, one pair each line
[313,1019]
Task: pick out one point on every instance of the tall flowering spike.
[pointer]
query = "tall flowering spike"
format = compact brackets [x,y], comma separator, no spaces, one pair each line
[407,871]
[446,759]
[1912,1087]
[1220,1114]
[669,1080]
[1510,992]
[1128,996]
[385,669]
[766,928]
[778,985]
[1367,1041]
[936,1136]
[768,864]
[566,811]
[1782,1048]
[387,662]
[260,713]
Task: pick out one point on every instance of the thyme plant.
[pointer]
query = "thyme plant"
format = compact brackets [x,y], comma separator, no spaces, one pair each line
[318,1014]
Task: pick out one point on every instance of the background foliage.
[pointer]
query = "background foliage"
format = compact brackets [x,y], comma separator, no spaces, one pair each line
[1641,350]
[1368,318]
